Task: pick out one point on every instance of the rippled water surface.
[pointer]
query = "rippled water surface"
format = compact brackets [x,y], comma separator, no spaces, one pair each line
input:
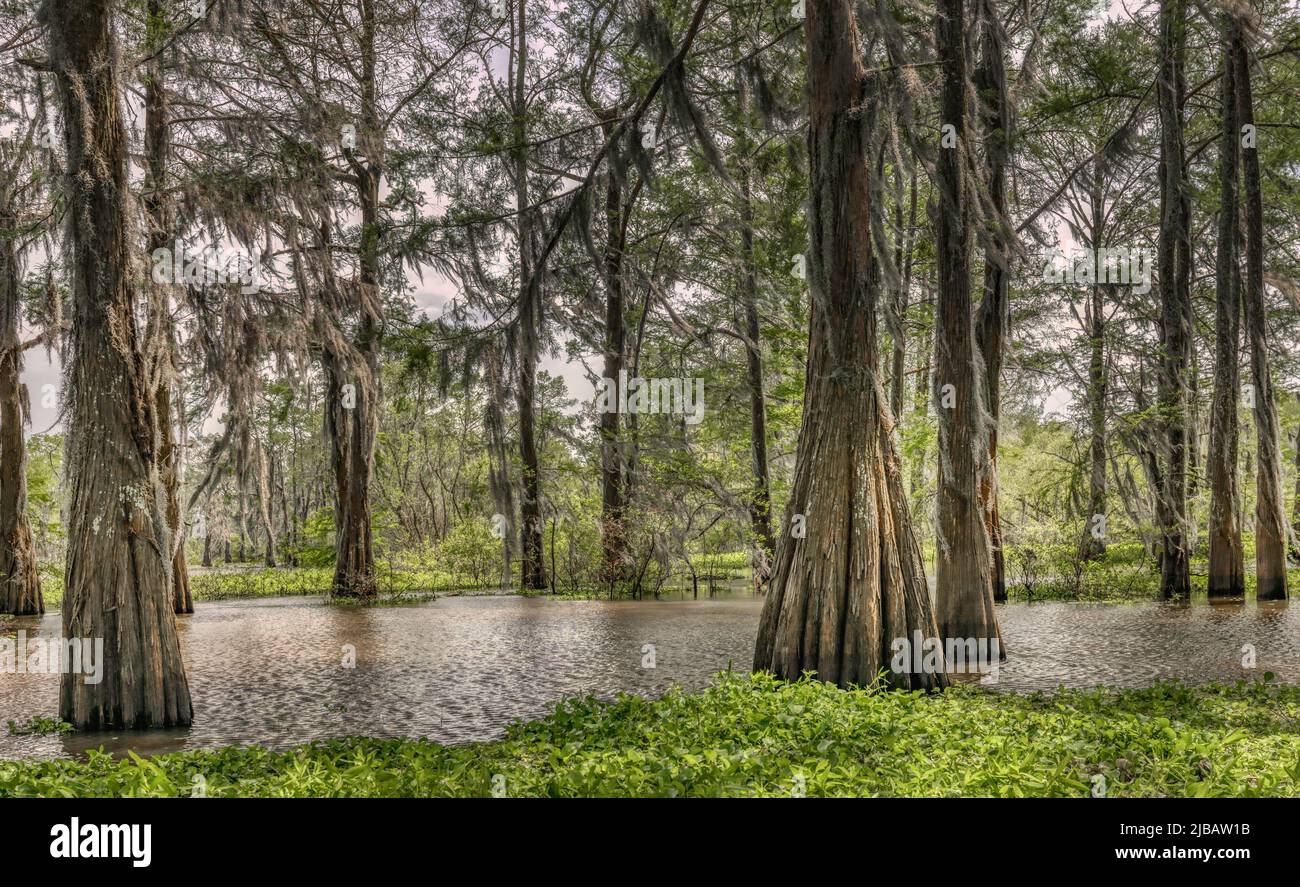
[460,668]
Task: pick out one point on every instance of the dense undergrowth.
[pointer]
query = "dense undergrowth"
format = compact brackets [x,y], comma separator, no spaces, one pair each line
[756,736]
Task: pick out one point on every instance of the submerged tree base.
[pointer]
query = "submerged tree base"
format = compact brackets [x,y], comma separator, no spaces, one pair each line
[757,736]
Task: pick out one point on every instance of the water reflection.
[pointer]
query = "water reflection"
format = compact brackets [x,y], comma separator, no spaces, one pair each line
[274,672]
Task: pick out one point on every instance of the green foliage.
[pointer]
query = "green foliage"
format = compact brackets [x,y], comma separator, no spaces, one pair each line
[471,551]
[756,736]
[39,725]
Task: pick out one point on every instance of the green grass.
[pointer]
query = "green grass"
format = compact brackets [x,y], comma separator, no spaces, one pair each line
[747,736]
[397,584]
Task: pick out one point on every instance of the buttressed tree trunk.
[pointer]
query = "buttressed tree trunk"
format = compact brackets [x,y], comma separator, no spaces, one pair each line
[963,564]
[1270,523]
[849,579]
[117,581]
[1175,328]
[1227,574]
[20,583]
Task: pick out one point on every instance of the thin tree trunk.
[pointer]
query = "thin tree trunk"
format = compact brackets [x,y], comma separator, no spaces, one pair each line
[117,580]
[1270,523]
[921,401]
[614,560]
[760,499]
[533,568]
[964,558]
[1295,505]
[849,579]
[1227,573]
[20,582]
[498,458]
[1174,268]
[898,331]
[1092,544]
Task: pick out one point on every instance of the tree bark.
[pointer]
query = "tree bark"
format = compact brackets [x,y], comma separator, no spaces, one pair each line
[498,459]
[1175,328]
[1092,544]
[964,560]
[350,431]
[353,422]
[1295,505]
[614,562]
[532,567]
[760,499]
[1227,573]
[159,209]
[1270,523]
[995,306]
[850,585]
[117,580]
[20,582]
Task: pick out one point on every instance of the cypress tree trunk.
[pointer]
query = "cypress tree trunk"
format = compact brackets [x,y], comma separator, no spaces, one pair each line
[159,210]
[902,299]
[20,583]
[532,568]
[350,431]
[613,533]
[353,422]
[760,499]
[921,402]
[117,582]
[1270,523]
[1093,545]
[1295,505]
[848,577]
[1175,300]
[498,459]
[995,306]
[1227,577]
[964,560]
